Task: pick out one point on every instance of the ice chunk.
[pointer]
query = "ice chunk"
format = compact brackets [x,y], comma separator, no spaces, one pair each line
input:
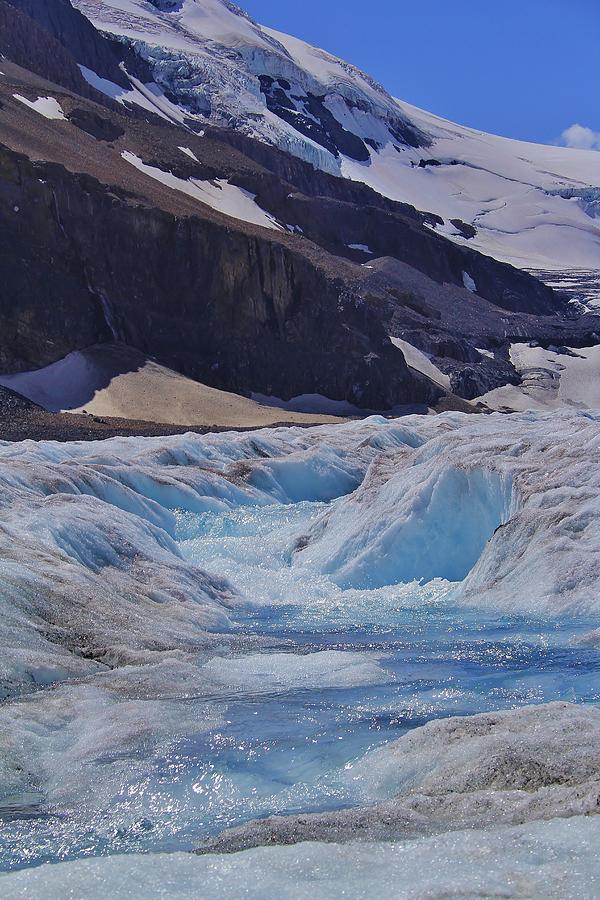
[277,671]
[494,769]
[518,750]
[433,521]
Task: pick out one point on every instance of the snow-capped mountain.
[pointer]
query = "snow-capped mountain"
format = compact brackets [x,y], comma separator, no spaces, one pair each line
[146,199]
[535,206]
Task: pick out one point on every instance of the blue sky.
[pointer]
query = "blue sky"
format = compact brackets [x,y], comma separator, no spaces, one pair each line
[523,68]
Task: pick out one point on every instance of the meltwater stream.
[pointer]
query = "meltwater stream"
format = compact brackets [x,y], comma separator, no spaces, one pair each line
[329,674]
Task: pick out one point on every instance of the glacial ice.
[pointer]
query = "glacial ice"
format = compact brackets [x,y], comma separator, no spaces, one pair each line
[200,631]
[535,763]
[555,859]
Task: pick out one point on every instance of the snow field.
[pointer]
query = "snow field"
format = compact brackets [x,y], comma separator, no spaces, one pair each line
[533,206]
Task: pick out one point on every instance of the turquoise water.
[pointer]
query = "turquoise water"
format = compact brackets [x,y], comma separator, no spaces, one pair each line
[393,659]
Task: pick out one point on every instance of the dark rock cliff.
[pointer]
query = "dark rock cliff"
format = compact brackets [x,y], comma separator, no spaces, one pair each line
[75,34]
[81,264]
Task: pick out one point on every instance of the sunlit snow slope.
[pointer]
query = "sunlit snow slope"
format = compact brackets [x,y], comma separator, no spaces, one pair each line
[534,206]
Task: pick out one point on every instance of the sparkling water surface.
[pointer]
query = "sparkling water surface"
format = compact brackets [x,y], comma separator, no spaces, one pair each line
[286,741]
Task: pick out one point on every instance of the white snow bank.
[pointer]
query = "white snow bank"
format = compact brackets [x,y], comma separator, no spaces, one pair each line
[220,195]
[48,107]
[515,194]
[417,360]
[550,379]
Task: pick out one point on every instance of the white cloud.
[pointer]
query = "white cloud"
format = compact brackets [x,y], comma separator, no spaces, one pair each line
[581,138]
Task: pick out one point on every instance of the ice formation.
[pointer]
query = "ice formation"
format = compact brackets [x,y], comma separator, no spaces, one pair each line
[554,859]
[536,763]
[199,632]
[532,205]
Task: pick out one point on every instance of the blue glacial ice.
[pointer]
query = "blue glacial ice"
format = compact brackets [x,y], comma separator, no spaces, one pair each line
[198,632]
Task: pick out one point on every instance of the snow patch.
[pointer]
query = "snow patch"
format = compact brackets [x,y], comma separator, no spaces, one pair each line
[419,361]
[469,283]
[48,107]
[147,96]
[189,153]
[550,379]
[220,195]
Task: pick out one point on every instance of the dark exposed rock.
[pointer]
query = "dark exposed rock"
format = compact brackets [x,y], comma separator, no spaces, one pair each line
[471,381]
[443,345]
[26,43]
[316,122]
[407,134]
[167,5]
[467,231]
[237,311]
[424,163]
[100,127]
[134,63]
[391,233]
[76,34]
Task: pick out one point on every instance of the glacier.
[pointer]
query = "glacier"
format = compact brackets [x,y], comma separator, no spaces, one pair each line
[303,636]
[530,205]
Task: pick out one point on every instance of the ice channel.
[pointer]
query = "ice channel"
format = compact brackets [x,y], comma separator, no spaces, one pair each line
[350,629]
